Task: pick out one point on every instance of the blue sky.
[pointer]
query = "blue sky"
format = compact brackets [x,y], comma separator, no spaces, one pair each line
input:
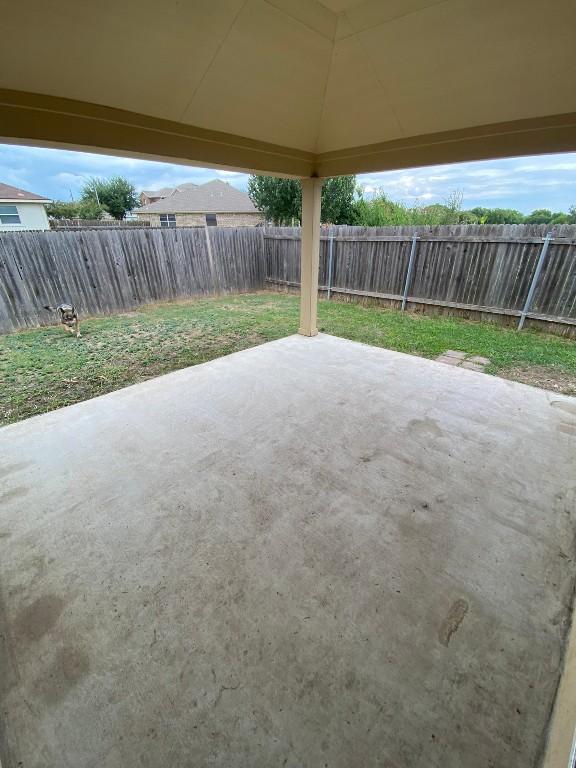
[547,181]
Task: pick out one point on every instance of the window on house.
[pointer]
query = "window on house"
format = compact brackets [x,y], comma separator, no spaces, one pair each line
[167,220]
[211,220]
[9,214]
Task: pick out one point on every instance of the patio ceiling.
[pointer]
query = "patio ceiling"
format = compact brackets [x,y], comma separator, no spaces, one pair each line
[296,87]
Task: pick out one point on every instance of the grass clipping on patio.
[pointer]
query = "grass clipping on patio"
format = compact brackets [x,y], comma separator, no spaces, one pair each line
[45,368]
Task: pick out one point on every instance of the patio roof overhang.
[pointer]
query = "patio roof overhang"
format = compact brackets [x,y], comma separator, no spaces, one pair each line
[32,118]
[302,88]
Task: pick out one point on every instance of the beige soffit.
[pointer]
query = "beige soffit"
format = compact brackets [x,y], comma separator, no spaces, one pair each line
[292,86]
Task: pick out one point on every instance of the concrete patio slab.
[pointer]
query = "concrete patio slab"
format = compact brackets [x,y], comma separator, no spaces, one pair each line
[310,553]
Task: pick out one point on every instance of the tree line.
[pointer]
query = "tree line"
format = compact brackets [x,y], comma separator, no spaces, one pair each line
[344,202]
[115,196]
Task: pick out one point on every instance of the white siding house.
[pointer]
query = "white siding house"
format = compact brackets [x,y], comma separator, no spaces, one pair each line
[21,210]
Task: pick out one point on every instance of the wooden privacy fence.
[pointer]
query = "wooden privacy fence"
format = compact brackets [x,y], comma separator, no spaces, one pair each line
[506,271]
[111,270]
[510,272]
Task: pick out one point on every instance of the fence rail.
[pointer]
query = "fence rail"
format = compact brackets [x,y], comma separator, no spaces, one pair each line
[97,223]
[112,270]
[520,271]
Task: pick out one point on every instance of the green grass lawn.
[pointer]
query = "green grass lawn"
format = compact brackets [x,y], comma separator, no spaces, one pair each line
[46,368]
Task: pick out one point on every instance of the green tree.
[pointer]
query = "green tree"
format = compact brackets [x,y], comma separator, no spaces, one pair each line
[498,215]
[116,195]
[74,209]
[381,211]
[61,209]
[280,200]
[539,216]
[338,200]
[560,218]
[449,212]
[90,209]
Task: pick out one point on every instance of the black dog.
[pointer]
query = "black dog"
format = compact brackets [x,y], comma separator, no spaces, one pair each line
[68,317]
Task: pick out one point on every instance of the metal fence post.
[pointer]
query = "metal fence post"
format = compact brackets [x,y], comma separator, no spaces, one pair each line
[330,255]
[409,271]
[534,282]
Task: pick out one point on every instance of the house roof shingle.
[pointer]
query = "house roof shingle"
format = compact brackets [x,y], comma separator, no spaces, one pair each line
[8,192]
[164,192]
[213,197]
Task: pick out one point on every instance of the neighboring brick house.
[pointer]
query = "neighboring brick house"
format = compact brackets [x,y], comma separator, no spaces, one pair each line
[215,203]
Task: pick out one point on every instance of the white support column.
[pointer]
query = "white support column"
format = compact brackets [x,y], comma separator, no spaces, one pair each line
[310,255]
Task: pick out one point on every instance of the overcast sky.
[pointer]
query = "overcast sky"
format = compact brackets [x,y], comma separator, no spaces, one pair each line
[547,181]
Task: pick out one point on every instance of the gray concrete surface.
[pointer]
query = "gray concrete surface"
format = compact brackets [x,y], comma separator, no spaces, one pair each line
[311,553]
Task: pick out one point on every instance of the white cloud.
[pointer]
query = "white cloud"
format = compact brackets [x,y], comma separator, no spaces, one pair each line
[547,181]
[545,166]
[229,173]
[75,179]
[485,173]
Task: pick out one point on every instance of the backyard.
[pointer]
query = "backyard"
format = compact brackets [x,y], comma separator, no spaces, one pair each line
[45,368]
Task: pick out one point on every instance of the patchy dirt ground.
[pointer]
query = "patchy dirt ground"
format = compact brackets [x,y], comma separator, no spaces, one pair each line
[544,377]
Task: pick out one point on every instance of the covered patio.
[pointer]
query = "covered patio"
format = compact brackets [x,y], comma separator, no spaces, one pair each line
[311,553]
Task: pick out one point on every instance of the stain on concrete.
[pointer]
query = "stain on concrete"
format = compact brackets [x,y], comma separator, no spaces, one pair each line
[564,405]
[567,429]
[350,679]
[425,427]
[15,493]
[565,501]
[368,456]
[39,617]
[9,469]
[453,620]
[67,670]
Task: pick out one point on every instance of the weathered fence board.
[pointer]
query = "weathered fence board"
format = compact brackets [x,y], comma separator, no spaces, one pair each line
[111,270]
[481,268]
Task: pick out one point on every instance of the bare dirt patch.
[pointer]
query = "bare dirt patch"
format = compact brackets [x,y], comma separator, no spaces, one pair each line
[544,377]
